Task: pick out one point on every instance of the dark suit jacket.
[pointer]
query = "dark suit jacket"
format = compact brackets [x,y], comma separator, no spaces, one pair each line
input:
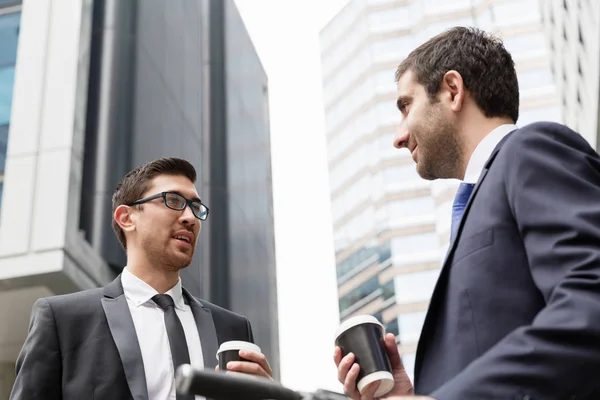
[84,346]
[515,313]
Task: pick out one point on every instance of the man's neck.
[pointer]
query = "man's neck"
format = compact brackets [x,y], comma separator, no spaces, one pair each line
[473,135]
[160,279]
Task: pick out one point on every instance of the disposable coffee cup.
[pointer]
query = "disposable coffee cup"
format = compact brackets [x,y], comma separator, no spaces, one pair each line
[363,335]
[230,351]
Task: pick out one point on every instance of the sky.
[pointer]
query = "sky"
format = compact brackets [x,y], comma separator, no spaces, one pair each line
[285,35]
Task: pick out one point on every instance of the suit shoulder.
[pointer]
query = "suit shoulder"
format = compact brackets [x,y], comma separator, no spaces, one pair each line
[220,310]
[531,136]
[73,301]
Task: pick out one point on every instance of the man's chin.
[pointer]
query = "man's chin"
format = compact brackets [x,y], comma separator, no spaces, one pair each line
[180,261]
[425,172]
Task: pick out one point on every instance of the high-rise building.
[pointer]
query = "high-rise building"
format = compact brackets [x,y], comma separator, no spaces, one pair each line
[100,87]
[573,31]
[391,228]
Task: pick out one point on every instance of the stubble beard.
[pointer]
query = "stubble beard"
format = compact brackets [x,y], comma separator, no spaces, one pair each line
[440,153]
[164,259]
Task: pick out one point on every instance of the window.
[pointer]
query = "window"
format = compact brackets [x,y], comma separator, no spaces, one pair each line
[385,146]
[392,49]
[385,253]
[387,113]
[385,81]
[6,3]
[357,258]
[392,327]
[388,290]
[349,166]
[3,144]
[410,326]
[341,23]
[9,35]
[410,207]
[349,201]
[436,28]
[515,12]
[525,45]
[485,20]
[362,291]
[411,244]
[547,113]
[535,78]
[401,174]
[446,6]
[443,215]
[416,286]
[356,227]
[389,19]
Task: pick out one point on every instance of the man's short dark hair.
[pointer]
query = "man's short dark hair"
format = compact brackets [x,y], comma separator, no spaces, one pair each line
[133,185]
[486,67]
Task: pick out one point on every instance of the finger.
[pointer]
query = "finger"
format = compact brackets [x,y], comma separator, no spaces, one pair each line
[350,382]
[217,368]
[247,367]
[258,358]
[344,367]
[337,355]
[393,353]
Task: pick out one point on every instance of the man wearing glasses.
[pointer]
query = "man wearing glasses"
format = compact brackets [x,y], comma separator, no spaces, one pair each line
[125,341]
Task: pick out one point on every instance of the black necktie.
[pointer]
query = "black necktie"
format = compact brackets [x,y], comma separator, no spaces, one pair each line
[179,349]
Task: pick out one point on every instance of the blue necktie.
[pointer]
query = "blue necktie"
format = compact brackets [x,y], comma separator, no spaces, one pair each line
[460,203]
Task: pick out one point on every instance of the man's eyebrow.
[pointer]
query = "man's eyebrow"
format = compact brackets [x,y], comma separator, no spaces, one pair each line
[194,198]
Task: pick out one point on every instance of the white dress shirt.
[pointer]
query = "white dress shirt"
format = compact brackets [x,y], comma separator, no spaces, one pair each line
[151,331]
[484,150]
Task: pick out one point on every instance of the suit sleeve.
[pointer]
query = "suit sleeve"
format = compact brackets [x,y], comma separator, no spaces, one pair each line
[553,190]
[38,367]
[249,328]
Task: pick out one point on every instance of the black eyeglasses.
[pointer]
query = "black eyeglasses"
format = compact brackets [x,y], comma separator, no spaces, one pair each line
[177,202]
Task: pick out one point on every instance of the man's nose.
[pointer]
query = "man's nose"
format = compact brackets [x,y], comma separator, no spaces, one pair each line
[187,216]
[401,139]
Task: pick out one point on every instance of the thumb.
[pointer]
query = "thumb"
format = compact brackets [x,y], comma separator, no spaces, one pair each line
[393,353]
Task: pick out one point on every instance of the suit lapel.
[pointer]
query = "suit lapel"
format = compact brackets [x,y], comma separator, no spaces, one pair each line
[125,338]
[206,330]
[437,291]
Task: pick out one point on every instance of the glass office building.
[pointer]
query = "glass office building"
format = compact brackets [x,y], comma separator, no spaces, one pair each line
[391,228]
[10,17]
[91,88]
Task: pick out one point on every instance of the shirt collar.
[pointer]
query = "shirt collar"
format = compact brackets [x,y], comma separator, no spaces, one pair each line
[484,150]
[139,292]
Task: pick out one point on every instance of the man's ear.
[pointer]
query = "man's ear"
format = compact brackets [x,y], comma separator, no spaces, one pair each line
[453,86]
[125,218]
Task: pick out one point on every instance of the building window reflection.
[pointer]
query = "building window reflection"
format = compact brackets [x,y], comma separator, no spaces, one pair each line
[9,35]
[392,327]
[361,292]
[3,143]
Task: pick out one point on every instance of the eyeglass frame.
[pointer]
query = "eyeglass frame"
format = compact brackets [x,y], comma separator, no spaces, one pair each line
[163,195]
